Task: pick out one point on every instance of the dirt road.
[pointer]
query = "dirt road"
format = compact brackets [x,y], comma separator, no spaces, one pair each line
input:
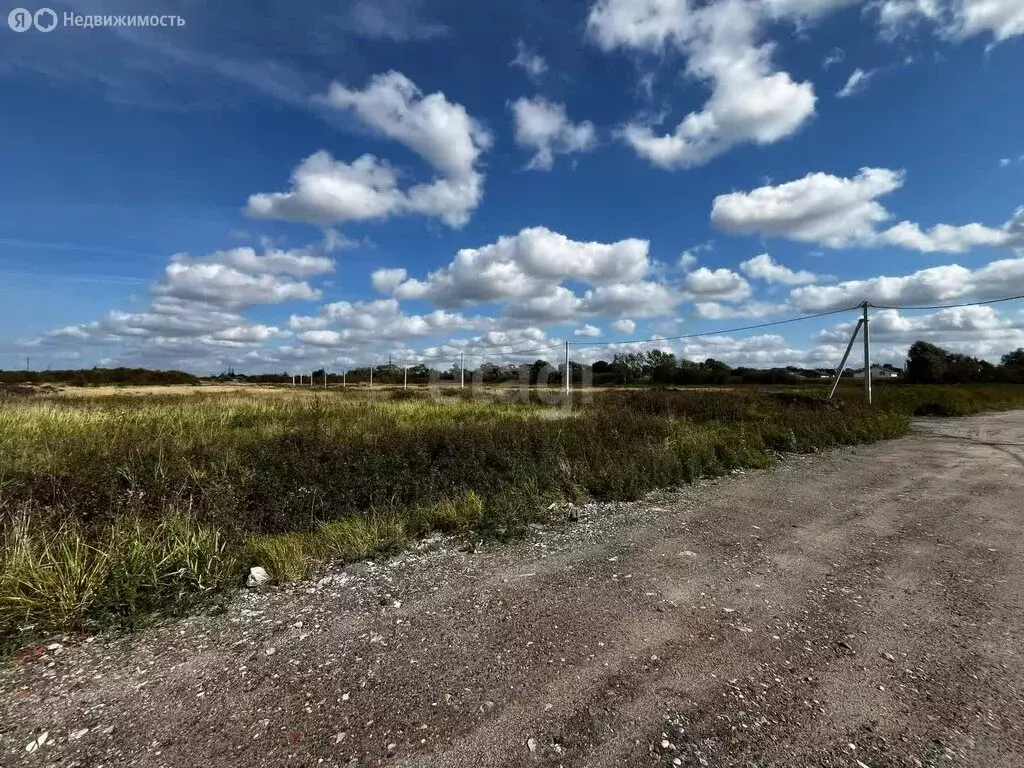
[861,608]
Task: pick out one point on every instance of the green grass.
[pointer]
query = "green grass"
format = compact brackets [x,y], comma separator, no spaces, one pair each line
[119,509]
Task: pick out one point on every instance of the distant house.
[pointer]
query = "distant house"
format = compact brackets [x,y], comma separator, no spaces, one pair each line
[880,372]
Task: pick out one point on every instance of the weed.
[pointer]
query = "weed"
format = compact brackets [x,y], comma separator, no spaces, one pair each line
[122,508]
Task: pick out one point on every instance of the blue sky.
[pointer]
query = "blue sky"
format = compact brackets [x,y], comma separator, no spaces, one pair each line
[274,186]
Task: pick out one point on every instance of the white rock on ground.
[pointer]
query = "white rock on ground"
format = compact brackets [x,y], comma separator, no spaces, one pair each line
[257,577]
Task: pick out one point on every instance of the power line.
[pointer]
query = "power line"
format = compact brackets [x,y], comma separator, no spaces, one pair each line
[754,327]
[951,306]
[738,329]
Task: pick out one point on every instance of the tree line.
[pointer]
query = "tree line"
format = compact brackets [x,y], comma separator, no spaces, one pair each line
[929,364]
[96,376]
[926,364]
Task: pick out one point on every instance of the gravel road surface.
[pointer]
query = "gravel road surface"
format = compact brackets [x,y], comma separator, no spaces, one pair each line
[856,608]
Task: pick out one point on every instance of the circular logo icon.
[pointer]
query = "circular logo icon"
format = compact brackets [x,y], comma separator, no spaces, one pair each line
[45,20]
[20,20]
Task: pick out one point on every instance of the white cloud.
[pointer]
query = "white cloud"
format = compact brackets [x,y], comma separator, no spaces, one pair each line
[587,330]
[1004,161]
[720,284]
[763,267]
[529,264]
[857,82]
[751,101]
[763,351]
[835,56]
[274,261]
[839,212]
[531,62]
[441,132]
[336,241]
[344,323]
[641,299]
[544,127]
[325,190]
[713,310]
[687,260]
[386,280]
[896,15]
[221,285]
[1003,18]
[819,208]
[934,285]
[955,19]
[557,304]
[944,237]
[625,325]
[978,331]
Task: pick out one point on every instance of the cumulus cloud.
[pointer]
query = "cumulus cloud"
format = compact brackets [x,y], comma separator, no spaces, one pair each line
[721,284]
[762,351]
[531,62]
[344,323]
[642,299]
[946,238]
[980,331]
[526,265]
[543,127]
[193,319]
[325,190]
[713,310]
[386,280]
[227,287]
[273,261]
[524,275]
[624,325]
[934,285]
[764,267]
[840,212]
[819,208]
[591,331]
[751,100]
[857,82]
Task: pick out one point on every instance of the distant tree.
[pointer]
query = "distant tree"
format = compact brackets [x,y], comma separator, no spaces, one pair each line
[537,368]
[926,363]
[661,366]
[629,366]
[1013,359]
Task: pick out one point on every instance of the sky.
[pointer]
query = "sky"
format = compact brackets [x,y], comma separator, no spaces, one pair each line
[278,187]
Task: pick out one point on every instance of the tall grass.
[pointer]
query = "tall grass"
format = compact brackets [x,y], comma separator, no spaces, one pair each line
[118,508]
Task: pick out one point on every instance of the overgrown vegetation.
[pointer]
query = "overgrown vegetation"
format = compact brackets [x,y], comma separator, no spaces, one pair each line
[94,376]
[119,508]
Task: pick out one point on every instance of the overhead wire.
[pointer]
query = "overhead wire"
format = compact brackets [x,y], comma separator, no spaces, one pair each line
[949,306]
[737,329]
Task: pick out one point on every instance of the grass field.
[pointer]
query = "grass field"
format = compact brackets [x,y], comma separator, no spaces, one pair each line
[118,507]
